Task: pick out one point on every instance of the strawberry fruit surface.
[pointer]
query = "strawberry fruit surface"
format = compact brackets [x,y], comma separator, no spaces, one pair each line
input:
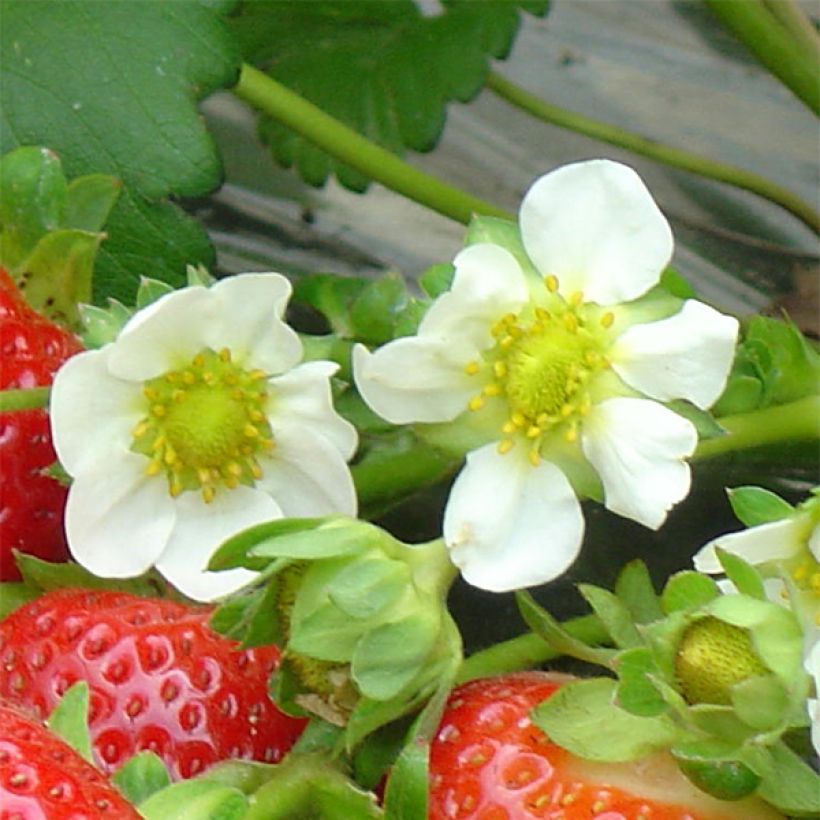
[31,503]
[488,761]
[159,679]
[41,776]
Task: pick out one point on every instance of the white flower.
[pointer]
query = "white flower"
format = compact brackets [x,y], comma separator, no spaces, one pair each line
[554,373]
[197,422]
[812,665]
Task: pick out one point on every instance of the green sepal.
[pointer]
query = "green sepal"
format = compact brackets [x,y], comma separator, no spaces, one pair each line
[99,325]
[141,776]
[676,284]
[90,200]
[332,295]
[69,719]
[366,588]
[406,796]
[761,702]
[614,615]
[687,590]
[437,279]
[754,506]
[251,618]
[742,574]
[546,627]
[506,234]
[310,786]
[376,755]
[636,692]
[13,594]
[634,587]
[791,785]
[374,311]
[702,420]
[201,799]
[583,718]
[710,766]
[150,290]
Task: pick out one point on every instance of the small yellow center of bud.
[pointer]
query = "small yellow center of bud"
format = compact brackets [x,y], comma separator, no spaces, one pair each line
[541,366]
[712,657]
[205,425]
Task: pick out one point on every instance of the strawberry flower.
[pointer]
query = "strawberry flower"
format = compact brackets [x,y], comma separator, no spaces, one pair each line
[197,422]
[549,360]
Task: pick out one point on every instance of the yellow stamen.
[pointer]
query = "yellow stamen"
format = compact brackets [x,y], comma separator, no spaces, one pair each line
[607,319]
[471,368]
[476,403]
[552,283]
[505,445]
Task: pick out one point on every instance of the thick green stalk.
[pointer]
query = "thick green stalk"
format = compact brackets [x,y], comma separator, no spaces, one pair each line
[345,144]
[797,421]
[30,399]
[773,45]
[657,151]
[527,651]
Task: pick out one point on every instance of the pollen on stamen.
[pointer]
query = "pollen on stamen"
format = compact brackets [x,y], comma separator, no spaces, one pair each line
[542,314]
[534,431]
[150,393]
[500,369]
[257,375]
[159,410]
[607,319]
[570,321]
[572,434]
[140,430]
[188,377]
[476,403]
[153,468]
[471,368]
[508,427]
[505,445]
[534,457]
[551,283]
[208,493]
[567,410]
[256,470]
[518,419]
[250,431]
[199,360]
[576,298]
[225,354]
[492,389]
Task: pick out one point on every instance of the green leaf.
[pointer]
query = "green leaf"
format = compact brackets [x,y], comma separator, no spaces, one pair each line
[112,88]
[634,587]
[69,719]
[308,786]
[141,776]
[201,799]
[688,590]
[583,718]
[743,575]
[546,627]
[332,295]
[636,692]
[793,787]
[383,69]
[754,506]
[614,615]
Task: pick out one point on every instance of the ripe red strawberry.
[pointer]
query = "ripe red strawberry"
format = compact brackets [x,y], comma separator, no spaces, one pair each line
[31,503]
[159,678]
[489,761]
[41,776]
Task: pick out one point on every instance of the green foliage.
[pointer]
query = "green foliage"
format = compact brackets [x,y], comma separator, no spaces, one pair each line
[69,719]
[50,229]
[112,88]
[774,364]
[754,506]
[201,799]
[383,69]
[141,776]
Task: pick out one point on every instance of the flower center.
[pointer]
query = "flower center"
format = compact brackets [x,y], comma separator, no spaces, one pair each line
[541,366]
[206,425]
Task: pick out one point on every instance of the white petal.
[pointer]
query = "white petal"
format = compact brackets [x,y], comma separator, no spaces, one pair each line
[814,542]
[163,336]
[306,475]
[249,322]
[687,356]
[511,525]
[637,447]
[595,226]
[488,283]
[414,379]
[200,529]
[92,413]
[774,541]
[303,397]
[117,519]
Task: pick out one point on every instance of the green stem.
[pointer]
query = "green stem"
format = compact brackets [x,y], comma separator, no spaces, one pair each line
[345,144]
[761,32]
[35,397]
[797,421]
[656,151]
[789,14]
[527,651]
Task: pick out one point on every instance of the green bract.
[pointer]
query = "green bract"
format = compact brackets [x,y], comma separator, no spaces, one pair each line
[360,615]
